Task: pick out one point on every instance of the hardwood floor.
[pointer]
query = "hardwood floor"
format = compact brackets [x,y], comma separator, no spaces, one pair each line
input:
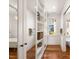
[51,52]
[12,53]
[31,53]
[54,52]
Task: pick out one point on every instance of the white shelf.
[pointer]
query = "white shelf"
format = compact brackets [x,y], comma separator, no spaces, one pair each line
[41,22]
[39,49]
[39,40]
[40,31]
[40,7]
[42,52]
[41,14]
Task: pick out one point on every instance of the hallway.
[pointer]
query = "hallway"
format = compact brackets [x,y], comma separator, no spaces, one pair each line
[39,29]
[54,52]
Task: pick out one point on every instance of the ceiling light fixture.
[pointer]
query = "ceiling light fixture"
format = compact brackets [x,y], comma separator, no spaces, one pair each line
[54,7]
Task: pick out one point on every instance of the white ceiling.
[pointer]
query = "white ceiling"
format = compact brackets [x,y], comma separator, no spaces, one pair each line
[51,6]
[54,6]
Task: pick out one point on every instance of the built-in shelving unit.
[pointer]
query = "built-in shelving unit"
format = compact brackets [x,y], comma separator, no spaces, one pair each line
[41,29]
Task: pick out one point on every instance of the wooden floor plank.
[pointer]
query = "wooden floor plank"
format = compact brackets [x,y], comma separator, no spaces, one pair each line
[54,52]
[51,52]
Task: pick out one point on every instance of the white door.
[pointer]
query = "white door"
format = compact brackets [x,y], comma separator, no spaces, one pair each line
[22,29]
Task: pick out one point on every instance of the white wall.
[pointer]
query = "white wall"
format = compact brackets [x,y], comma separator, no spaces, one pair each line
[12,23]
[30,24]
[55,40]
[12,27]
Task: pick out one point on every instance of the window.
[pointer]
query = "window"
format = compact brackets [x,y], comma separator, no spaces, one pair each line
[52,26]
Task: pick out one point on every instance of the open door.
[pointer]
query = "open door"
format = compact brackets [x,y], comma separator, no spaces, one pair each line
[20,30]
[29,28]
[26,29]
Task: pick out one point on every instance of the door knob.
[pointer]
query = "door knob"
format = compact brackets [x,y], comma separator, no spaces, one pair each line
[25,43]
[21,45]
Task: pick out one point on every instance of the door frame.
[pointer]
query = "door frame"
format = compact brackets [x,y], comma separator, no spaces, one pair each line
[25,32]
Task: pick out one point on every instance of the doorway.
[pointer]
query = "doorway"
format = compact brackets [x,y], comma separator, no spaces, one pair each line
[13,22]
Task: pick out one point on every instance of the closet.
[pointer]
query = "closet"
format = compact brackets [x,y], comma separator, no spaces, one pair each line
[41,29]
